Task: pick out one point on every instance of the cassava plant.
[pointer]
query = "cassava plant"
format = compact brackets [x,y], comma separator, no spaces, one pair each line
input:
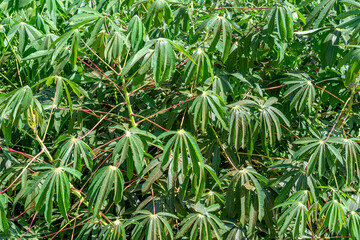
[179,119]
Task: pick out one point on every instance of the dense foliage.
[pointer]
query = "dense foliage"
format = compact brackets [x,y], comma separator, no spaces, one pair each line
[164,119]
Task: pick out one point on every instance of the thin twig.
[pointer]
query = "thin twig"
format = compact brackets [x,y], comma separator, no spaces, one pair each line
[93,128]
[328,93]
[151,122]
[245,8]
[100,58]
[22,171]
[223,149]
[166,109]
[12,219]
[338,118]
[32,221]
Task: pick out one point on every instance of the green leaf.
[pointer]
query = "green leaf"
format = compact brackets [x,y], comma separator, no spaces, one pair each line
[205,106]
[200,69]
[4,225]
[293,211]
[321,152]
[158,13]
[216,26]
[201,225]
[106,179]
[353,223]
[163,61]
[137,32]
[334,215]
[240,124]
[319,13]
[130,148]
[152,226]
[245,189]
[55,181]
[302,91]
[73,150]
[183,146]
[116,47]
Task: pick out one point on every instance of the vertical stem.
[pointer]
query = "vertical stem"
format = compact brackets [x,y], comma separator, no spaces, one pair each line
[318,107]
[33,125]
[128,105]
[153,200]
[351,98]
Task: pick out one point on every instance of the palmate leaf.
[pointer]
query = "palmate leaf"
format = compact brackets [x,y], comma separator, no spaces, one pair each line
[26,34]
[209,106]
[216,27]
[351,17]
[93,229]
[203,224]
[329,47]
[51,7]
[221,86]
[163,61]
[181,147]
[268,119]
[54,181]
[280,21]
[90,228]
[138,56]
[163,58]
[295,210]
[137,33]
[70,39]
[353,224]
[158,12]
[17,107]
[335,218]
[156,172]
[131,148]
[212,197]
[116,47]
[294,179]
[145,66]
[245,197]
[182,19]
[236,232]
[352,59]
[64,84]
[73,150]
[184,146]
[302,90]
[319,13]
[106,179]
[16,103]
[200,69]
[352,159]
[87,16]
[113,231]
[321,152]
[152,226]
[240,124]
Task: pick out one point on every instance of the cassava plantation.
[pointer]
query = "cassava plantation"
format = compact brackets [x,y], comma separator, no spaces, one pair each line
[179,119]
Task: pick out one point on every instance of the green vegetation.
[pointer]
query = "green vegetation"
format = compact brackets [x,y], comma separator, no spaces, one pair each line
[179,119]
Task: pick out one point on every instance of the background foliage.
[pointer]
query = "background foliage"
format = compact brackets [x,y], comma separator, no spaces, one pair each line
[163,119]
